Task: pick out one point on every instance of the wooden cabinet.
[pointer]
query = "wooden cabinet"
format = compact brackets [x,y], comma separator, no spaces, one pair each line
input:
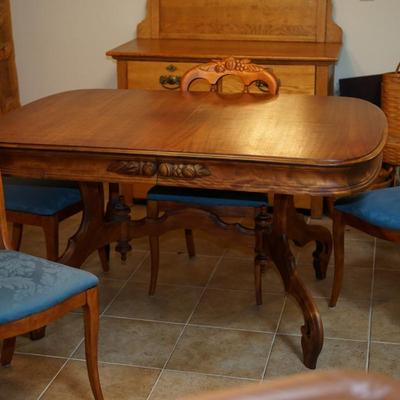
[9,97]
[297,39]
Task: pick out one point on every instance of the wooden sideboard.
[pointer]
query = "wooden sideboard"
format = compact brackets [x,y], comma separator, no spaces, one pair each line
[297,39]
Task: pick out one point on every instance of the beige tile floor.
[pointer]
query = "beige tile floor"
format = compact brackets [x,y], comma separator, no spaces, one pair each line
[202,329]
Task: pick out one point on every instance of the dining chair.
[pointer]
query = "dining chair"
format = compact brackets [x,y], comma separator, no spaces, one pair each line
[326,385]
[216,202]
[376,213]
[43,203]
[35,292]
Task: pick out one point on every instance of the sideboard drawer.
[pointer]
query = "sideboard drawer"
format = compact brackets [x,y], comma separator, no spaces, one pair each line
[151,75]
[154,75]
[294,79]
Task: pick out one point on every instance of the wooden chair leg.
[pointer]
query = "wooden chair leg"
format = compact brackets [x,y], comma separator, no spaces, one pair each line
[104,255]
[7,351]
[50,228]
[152,212]
[261,221]
[38,334]
[258,280]
[16,238]
[190,243]
[107,250]
[338,245]
[91,318]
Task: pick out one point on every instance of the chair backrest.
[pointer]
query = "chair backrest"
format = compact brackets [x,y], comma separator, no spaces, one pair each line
[5,236]
[329,385]
[249,73]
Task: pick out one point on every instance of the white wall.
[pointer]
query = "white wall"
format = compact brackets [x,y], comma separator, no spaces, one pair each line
[371,31]
[61,44]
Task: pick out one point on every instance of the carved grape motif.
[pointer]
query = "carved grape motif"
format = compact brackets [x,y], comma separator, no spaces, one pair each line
[188,171]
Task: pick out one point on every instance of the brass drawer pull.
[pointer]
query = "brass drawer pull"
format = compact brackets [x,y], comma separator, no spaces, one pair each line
[263,87]
[170,82]
[171,68]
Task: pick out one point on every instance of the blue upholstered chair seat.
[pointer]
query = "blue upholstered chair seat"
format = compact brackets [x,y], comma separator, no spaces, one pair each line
[39,197]
[377,207]
[207,197]
[29,285]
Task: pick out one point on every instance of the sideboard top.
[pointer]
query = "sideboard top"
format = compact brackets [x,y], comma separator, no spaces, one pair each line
[198,50]
[263,20]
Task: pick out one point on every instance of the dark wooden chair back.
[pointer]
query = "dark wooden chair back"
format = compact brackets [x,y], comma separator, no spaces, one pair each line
[249,73]
[330,385]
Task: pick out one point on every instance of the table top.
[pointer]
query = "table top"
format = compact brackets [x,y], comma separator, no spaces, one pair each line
[287,129]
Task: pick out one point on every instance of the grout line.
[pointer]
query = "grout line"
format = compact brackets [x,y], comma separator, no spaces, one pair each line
[326,337]
[62,367]
[388,269]
[22,353]
[268,292]
[110,303]
[273,339]
[212,375]
[184,324]
[347,339]
[144,320]
[118,363]
[389,343]
[187,323]
[231,329]
[371,302]
[52,380]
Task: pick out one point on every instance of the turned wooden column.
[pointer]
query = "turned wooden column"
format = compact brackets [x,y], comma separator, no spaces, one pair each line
[9,96]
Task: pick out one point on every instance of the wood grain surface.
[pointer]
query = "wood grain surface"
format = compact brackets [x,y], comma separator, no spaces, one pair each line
[197,50]
[287,129]
[286,20]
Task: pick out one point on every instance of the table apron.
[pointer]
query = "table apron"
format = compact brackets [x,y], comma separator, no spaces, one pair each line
[227,174]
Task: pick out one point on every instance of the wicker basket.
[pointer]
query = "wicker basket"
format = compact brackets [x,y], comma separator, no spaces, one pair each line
[391,106]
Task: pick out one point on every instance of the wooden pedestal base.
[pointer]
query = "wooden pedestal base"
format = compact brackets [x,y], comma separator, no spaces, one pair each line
[272,234]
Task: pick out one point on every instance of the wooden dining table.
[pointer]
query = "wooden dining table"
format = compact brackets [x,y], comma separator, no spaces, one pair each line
[288,144]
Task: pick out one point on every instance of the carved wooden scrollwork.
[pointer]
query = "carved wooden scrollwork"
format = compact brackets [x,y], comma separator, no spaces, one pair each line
[165,170]
[188,171]
[133,168]
[231,64]
[244,69]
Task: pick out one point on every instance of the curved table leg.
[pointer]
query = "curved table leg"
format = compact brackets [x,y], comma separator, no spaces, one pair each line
[277,246]
[302,233]
[94,232]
